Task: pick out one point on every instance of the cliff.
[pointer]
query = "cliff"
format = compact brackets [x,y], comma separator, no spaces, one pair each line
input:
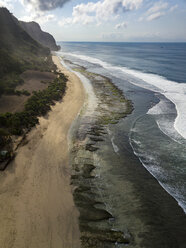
[44,38]
[15,38]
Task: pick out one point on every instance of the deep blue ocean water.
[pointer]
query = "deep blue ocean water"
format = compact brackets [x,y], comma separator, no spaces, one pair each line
[153,76]
[165,59]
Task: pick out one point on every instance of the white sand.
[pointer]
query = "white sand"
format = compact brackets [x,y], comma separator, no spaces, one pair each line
[36,203]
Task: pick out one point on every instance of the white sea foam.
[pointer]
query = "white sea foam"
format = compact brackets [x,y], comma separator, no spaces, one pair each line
[158,172]
[175,92]
[159,109]
[92,101]
[137,142]
[165,122]
[115,147]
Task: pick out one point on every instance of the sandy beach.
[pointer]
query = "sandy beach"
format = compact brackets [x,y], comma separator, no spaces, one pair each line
[36,202]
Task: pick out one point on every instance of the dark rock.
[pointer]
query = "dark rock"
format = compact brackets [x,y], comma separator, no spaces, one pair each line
[82,188]
[96,139]
[87,169]
[97,130]
[74,176]
[93,214]
[91,148]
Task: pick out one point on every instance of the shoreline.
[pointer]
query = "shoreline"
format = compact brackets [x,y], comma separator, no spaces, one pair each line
[36,198]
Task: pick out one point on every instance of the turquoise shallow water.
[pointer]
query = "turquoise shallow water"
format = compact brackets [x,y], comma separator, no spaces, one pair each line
[153,76]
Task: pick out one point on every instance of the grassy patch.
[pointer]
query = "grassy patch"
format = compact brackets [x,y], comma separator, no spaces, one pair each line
[11,68]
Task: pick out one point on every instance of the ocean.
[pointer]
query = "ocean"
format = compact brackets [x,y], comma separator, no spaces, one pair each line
[153,77]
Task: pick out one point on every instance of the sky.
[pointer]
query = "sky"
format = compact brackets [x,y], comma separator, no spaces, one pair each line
[106,20]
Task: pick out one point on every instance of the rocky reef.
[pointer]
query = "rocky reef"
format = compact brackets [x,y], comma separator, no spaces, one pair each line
[90,133]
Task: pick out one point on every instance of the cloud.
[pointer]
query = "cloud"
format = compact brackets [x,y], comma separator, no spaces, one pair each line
[39,17]
[34,11]
[6,3]
[155,16]
[97,12]
[141,18]
[144,36]
[173,8]
[44,5]
[157,10]
[138,36]
[84,19]
[157,7]
[65,21]
[112,36]
[121,25]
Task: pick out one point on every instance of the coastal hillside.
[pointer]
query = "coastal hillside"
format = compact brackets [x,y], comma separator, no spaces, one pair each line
[34,30]
[18,50]
[29,83]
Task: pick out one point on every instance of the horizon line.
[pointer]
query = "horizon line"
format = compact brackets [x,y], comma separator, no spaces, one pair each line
[127,41]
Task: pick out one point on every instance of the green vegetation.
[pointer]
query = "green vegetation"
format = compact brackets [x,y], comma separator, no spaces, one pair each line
[18,52]
[11,67]
[9,83]
[22,92]
[10,70]
[19,123]
[38,104]
[5,142]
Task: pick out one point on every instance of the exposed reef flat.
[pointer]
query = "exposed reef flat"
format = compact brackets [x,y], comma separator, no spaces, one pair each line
[91,131]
